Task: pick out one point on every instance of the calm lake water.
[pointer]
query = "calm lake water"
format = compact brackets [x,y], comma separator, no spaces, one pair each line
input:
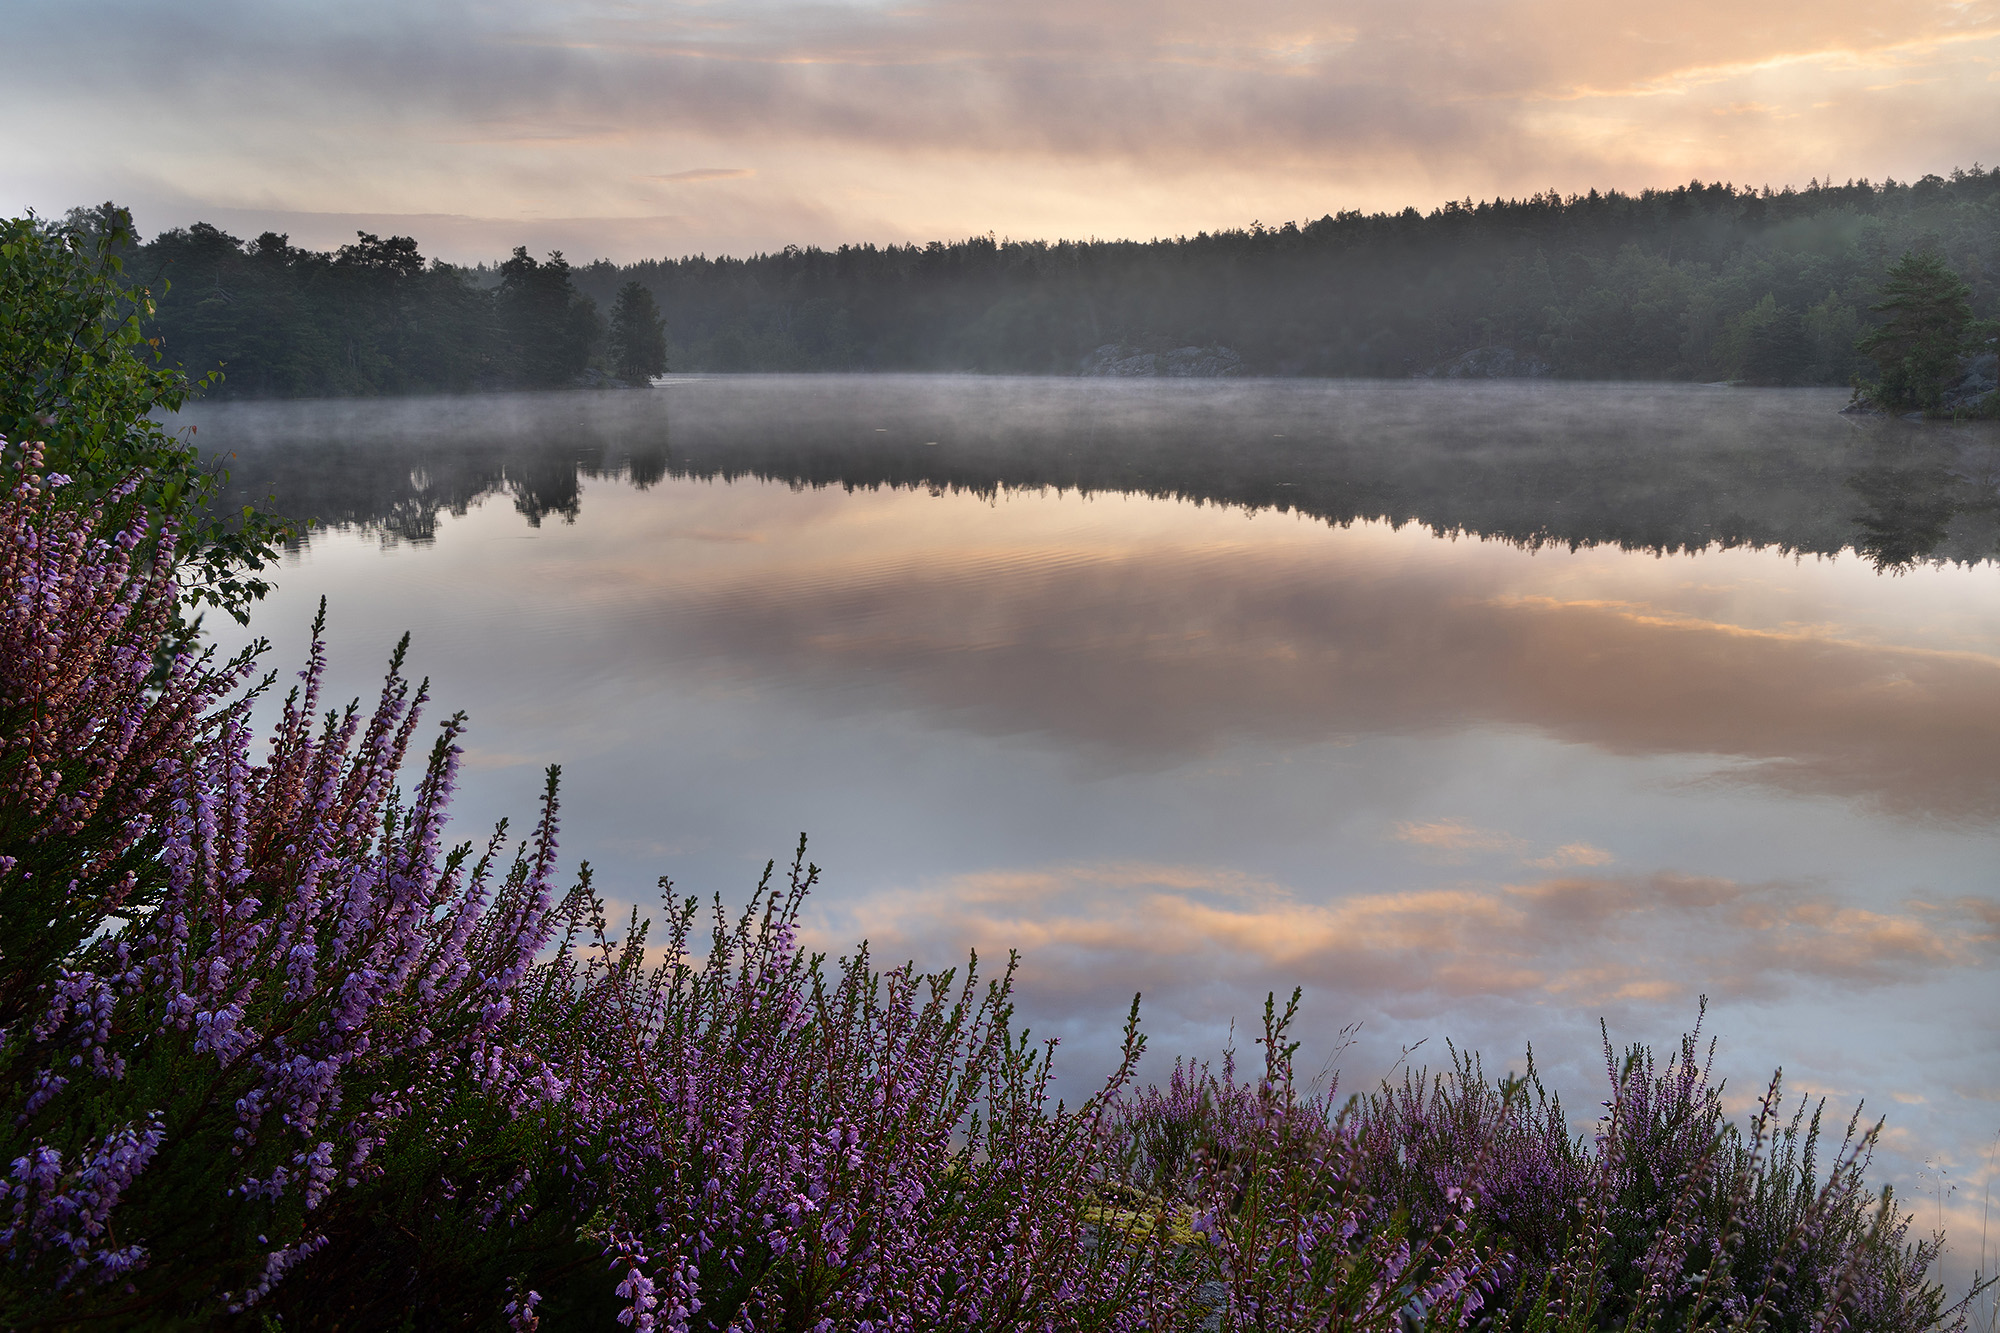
[1482,712]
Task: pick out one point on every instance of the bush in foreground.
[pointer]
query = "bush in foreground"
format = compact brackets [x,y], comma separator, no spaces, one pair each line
[79,374]
[223,979]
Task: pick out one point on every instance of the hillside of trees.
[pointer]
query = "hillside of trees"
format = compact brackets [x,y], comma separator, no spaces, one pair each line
[1700,282]
[375,317]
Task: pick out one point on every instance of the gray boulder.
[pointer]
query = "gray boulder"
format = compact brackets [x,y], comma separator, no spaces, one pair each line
[1491,363]
[1972,393]
[1981,376]
[1121,360]
[593,378]
[1116,359]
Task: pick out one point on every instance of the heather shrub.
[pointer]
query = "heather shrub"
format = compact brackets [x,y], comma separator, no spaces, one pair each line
[747,1138]
[742,1136]
[224,979]
[1164,1136]
[1273,1190]
[283,1041]
[1665,1216]
[87,751]
[766,1140]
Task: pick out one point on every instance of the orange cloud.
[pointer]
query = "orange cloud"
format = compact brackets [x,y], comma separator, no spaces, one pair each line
[704,174]
[1034,118]
[1266,645]
[1572,854]
[1452,840]
[1091,933]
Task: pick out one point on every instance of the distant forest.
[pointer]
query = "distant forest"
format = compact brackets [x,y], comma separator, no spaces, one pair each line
[1701,282]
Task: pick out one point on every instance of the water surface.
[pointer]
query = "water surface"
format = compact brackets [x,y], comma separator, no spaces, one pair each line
[1480,711]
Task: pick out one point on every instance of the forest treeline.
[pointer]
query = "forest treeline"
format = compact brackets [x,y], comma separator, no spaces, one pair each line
[1700,282]
[374,317]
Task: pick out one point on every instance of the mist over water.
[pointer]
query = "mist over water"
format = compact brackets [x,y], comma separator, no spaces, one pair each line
[1480,711]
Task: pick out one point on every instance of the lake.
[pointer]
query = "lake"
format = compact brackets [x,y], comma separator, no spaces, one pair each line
[1481,711]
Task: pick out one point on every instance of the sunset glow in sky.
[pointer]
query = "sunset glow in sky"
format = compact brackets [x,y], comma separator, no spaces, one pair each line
[663,127]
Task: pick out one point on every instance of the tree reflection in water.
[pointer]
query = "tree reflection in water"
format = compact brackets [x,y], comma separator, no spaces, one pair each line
[1914,496]
[1649,468]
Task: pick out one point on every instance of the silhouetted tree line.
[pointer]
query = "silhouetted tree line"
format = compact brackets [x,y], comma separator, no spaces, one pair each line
[1699,282]
[375,317]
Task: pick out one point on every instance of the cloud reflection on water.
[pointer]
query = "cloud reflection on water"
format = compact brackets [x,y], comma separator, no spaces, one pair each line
[1158,653]
[1095,933]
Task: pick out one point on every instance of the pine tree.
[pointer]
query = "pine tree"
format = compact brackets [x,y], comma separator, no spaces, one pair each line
[1929,311]
[547,323]
[638,335]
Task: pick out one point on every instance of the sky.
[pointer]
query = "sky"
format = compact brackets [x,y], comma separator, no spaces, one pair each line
[631,129]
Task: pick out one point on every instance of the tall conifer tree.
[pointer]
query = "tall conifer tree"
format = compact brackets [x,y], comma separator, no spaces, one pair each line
[638,335]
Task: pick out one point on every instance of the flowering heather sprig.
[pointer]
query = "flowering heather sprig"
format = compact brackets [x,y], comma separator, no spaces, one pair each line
[65,1215]
[87,746]
[520,1311]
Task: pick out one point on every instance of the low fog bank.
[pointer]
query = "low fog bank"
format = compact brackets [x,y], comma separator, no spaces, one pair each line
[1642,467]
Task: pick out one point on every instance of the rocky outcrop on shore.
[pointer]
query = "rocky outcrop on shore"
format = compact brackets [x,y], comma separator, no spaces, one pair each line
[593,378]
[1981,377]
[1973,393]
[1121,360]
[1490,363]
